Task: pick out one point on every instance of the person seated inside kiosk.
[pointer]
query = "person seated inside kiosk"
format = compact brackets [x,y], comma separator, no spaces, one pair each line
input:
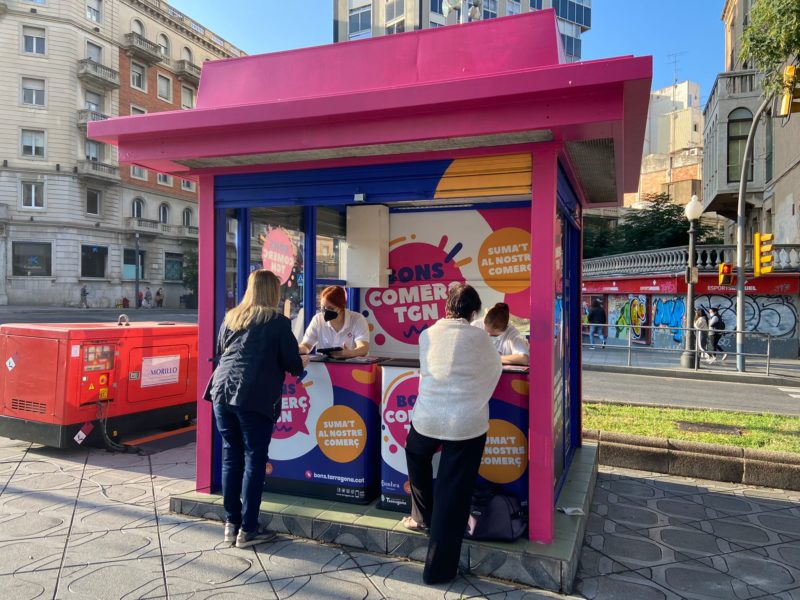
[508,341]
[336,331]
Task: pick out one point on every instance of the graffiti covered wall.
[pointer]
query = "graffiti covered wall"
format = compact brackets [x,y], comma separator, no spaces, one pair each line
[628,311]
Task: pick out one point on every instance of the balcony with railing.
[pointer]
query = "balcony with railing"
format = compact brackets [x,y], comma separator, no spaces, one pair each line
[733,84]
[94,73]
[98,171]
[152,227]
[188,71]
[188,231]
[87,116]
[140,47]
[786,259]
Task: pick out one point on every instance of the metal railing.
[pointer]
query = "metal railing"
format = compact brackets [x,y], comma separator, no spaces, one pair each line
[786,258]
[733,83]
[87,66]
[671,342]
[139,42]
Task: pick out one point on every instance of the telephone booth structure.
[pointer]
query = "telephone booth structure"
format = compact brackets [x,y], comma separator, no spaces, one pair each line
[394,166]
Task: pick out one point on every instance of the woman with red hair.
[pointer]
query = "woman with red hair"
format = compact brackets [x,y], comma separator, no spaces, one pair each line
[336,327]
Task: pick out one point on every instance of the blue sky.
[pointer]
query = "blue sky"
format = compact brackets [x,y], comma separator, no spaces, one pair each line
[619,27]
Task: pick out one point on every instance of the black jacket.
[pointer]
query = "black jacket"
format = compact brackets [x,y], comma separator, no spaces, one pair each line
[252,366]
[597,316]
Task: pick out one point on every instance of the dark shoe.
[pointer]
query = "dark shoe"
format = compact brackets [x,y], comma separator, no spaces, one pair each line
[245,539]
[229,537]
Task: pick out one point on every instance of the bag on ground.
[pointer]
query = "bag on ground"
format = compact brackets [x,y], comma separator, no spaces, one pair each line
[495,515]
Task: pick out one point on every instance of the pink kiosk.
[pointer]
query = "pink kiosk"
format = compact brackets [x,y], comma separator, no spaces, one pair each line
[394,166]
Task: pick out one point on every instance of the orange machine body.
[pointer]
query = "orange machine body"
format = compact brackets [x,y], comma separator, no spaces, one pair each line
[57,377]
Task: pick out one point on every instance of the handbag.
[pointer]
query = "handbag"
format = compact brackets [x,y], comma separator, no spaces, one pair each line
[495,515]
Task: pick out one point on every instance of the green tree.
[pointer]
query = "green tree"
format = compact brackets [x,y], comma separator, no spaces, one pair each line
[190,271]
[660,224]
[772,38]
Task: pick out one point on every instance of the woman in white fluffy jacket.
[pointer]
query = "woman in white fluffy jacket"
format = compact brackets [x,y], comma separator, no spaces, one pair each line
[459,370]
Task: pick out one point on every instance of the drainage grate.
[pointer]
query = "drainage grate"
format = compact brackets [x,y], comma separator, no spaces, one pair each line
[39,408]
[708,428]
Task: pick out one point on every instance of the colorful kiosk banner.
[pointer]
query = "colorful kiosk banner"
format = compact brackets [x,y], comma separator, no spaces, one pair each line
[325,443]
[489,249]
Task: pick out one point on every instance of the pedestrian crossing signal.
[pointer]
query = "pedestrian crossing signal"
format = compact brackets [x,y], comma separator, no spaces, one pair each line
[726,276]
[762,254]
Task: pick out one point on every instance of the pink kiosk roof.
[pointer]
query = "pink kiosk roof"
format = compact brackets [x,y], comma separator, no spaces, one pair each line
[493,87]
[491,84]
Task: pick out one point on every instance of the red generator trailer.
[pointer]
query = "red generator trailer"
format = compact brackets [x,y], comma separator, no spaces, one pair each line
[64,384]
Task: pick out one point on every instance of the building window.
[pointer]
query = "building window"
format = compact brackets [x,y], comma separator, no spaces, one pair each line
[137,208]
[93,101]
[513,7]
[137,27]
[33,40]
[395,16]
[138,172]
[536,4]
[163,214]
[187,97]
[187,186]
[135,110]
[436,7]
[31,259]
[32,143]
[739,121]
[489,9]
[93,261]
[173,266]
[186,54]
[94,151]
[93,198]
[32,194]
[33,91]
[94,10]
[163,45]
[94,52]
[165,88]
[187,217]
[398,27]
[164,179]
[129,264]
[138,77]
[360,22]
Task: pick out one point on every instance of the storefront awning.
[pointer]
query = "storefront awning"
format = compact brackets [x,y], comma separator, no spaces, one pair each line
[497,84]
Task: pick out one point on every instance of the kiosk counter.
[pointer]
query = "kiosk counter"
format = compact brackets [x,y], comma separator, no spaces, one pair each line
[505,456]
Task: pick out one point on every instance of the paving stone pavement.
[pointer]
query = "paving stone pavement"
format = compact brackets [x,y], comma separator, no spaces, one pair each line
[94,525]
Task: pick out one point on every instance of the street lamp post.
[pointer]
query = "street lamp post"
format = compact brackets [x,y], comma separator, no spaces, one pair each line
[137,266]
[693,210]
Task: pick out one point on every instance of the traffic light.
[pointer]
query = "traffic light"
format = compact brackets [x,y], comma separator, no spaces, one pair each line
[762,254]
[726,276]
[790,99]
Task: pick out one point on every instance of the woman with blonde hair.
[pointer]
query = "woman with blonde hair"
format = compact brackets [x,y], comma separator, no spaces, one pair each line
[255,348]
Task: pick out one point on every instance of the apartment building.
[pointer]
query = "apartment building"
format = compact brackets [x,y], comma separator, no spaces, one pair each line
[772,202]
[355,19]
[70,214]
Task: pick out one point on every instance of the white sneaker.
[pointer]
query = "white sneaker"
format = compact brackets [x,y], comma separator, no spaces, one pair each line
[711,360]
[591,347]
[229,536]
[724,356]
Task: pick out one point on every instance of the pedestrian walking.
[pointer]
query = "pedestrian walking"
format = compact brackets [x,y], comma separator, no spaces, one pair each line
[148,298]
[84,297]
[717,327]
[459,370]
[255,348]
[597,324]
[160,298]
[701,334]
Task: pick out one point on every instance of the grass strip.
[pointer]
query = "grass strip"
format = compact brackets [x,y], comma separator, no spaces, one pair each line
[775,433]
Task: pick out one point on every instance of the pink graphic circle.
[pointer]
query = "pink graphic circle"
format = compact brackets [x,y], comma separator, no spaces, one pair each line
[278,253]
[295,404]
[417,291]
[398,410]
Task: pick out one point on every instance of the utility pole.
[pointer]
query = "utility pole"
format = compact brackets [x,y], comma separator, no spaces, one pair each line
[138,266]
[740,258]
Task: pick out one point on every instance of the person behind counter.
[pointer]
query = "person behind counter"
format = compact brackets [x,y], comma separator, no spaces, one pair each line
[255,348]
[336,327]
[459,370]
[508,341]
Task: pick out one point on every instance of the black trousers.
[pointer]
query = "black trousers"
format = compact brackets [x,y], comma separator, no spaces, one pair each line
[445,508]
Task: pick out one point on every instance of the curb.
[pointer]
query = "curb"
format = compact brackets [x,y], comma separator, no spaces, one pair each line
[724,376]
[716,462]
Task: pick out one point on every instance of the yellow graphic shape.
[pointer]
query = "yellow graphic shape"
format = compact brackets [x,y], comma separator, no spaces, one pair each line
[91,386]
[506,175]
[364,376]
[505,455]
[341,434]
[402,238]
[504,260]
[520,386]
[103,394]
